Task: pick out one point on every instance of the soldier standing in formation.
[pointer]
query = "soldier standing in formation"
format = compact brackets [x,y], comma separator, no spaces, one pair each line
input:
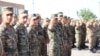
[78,34]
[54,44]
[40,35]
[91,35]
[7,33]
[34,43]
[67,36]
[45,27]
[23,42]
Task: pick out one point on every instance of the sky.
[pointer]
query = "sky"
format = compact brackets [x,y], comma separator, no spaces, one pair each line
[69,7]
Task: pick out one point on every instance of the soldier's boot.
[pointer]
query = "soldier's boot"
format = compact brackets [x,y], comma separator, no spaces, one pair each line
[93,50]
[79,47]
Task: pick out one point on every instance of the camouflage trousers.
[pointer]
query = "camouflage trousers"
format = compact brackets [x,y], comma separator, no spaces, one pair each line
[78,40]
[43,49]
[24,54]
[11,54]
[92,41]
[83,38]
[35,51]
[53,50]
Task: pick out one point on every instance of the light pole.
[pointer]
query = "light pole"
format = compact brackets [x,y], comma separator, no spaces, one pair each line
[99,10]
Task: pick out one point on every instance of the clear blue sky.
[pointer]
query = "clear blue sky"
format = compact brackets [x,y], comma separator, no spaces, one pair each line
[69,7]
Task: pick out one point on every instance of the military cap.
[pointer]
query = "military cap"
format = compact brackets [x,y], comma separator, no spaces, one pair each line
[46,19]
[7,9]
[60,14]
[34,16]
[54,16]
[23,12]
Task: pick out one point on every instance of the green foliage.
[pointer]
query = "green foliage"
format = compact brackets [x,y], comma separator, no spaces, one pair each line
[86,14]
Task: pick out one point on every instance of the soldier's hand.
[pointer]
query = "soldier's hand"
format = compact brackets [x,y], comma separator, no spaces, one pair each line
[3,54]
[16,54]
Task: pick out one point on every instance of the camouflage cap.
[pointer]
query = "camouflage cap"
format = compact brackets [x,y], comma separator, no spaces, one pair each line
[54,16]
[46,19]
[23,12]
[34,16]
[7,9]
[60,14]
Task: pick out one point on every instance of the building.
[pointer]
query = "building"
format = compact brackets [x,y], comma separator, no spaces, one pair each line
[14,5]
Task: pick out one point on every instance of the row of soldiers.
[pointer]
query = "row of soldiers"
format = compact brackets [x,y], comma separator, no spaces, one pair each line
[24,35]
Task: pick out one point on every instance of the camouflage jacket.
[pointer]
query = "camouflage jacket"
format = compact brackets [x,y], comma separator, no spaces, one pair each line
[9,38]
[33,38]
[23,38]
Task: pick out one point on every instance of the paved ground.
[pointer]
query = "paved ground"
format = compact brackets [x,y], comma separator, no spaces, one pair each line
[84,52]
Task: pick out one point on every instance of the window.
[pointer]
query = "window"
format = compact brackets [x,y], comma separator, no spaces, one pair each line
[15,10]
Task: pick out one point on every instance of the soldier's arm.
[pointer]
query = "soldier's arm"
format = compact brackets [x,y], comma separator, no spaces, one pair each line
[2,42]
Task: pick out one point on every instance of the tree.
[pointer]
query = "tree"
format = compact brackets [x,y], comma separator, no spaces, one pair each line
[86,14]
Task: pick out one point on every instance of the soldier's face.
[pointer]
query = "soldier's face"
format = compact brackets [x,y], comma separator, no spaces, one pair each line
[14,20]
[23,19]
[7,17]
[64,21]
[33,21]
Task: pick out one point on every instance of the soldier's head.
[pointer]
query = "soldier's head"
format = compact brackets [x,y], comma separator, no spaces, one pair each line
[46,22]
[60,16]
[23,16]
[14,20]
[95,24]
[33,19]
[39,18]
[7,14]
[78,23]
[64,20]
[54,19]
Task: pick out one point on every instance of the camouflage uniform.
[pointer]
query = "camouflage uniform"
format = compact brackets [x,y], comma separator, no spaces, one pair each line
[41,39]
[9,38]
[69,38]
[72,30]
[83,34]
[46,39]
[91,35]
[54,45]
[1,47]
[34,44]
[78,36]
[23,42]
[61,31]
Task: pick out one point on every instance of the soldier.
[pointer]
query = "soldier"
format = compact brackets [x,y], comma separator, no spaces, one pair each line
[7,33]
[61,33]
[83,34]
[45,27]
[23,44]
[91,35]
[72,29]
[96,33]
[78,35]
[40,35]
[54,44]
[67,36]
[14,20]
[34,44]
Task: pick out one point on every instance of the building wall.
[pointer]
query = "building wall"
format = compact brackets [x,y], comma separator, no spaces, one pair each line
[14,5]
